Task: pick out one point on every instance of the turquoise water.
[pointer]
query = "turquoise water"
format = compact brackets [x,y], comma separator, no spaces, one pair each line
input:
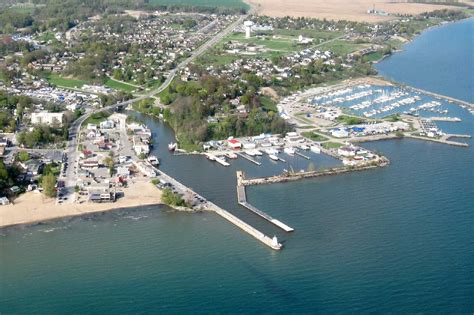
[398,239]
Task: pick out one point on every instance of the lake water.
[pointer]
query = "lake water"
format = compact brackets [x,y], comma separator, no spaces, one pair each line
[399,238]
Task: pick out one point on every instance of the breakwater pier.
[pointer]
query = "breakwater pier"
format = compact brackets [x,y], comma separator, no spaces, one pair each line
[242,200]
[208,205]
[289,177]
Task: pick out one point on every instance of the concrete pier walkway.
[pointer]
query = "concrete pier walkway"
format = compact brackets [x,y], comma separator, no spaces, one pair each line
[242,200]
[270,242]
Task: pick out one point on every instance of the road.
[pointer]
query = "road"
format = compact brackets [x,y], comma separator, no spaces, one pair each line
[71,149]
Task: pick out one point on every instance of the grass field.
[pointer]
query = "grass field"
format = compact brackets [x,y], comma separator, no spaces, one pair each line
[372,57]
[204,3]
[273,46]
[119,86]
[331,145]
[342,47]
[315,35]
[216,59]
[313,136]
[268,104]
[58,80]
[96,118]
[350,120]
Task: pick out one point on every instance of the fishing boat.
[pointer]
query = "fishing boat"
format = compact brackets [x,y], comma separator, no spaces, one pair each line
[210,157]
[231,155]
[273,157]
[316,149]
[289,151]
[172,146]
[153,160]
[222,161]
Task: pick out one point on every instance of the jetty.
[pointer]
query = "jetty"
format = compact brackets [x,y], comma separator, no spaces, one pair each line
[270,242]
[440,96]
[289,177]
[245,156]
[242,200]
[442,118]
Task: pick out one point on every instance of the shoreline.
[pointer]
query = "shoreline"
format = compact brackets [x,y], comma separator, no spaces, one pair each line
[33,207]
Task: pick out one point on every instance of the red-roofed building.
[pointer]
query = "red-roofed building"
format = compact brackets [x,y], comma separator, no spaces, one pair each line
[234,144]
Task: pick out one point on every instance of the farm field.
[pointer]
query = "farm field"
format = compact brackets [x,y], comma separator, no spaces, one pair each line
[204,3]
[353,10]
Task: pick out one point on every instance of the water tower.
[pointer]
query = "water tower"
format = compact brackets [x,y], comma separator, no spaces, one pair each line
[248,28]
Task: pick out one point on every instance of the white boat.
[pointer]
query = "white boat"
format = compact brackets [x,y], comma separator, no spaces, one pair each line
[222,161]
[273,157]
[231,155]
[303,147]
[210,157]
[257,153]
[316,149]
[153,160]
[250,152]
[172,146]
[271,151]
[289,151]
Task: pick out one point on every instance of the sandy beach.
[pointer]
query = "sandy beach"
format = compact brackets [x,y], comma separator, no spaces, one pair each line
[352,10]
[34,207]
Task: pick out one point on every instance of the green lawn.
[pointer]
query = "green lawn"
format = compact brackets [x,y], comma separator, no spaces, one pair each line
[268,104]
[331,145]
[58,80]
[313,136]
[349,120]
[283,44]
[342,47]
[316,35]
[119,85]
[96,118]
[217,59]
[203,3]
[372,57]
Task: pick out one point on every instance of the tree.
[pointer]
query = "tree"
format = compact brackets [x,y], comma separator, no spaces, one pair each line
[49,185]
[23,156]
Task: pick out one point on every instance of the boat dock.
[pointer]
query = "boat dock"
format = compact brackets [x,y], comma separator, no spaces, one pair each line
[302,155]
[245,156]
[242,200]
[270,242]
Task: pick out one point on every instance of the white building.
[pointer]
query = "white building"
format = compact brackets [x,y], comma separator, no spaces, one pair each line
[248,28]
[47,118]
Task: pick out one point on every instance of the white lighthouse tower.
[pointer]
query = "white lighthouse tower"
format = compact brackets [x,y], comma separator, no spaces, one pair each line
[248,28]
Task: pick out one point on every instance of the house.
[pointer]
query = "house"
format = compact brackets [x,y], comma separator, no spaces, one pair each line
[347,151]
[4,142]
[107,124]
[339,133]
[234,144]
[89,163]
[47,118]
[139,146]
[98,196]
[4,201]
[123,171]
